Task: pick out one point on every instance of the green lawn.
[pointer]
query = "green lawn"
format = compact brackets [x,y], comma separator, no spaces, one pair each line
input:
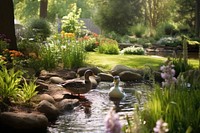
[106,62]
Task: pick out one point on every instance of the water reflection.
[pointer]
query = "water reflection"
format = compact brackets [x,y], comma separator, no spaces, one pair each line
[89,116]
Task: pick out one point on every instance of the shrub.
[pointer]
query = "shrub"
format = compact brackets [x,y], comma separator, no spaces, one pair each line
[27,46]
[108,46]
[119,38]
[169,41]
[91,42]
[38,29]
[133,50]
[139,30]
[180,66]
[71,22]
[165,29]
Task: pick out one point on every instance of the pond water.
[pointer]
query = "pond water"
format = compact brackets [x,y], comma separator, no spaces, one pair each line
[89,116]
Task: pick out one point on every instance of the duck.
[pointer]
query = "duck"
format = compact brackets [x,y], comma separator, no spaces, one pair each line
[79,86]
[116,92]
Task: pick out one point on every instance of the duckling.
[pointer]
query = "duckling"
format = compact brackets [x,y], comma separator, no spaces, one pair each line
[78,86]
[116,92]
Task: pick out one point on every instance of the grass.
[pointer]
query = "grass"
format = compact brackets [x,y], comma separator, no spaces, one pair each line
[107,62]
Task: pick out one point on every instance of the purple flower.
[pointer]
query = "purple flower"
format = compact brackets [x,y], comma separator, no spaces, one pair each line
[161,127]
[112,122]
[168,74]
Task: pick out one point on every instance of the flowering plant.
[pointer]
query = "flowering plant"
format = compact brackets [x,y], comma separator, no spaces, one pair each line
[161,127]
[91,41]
[112,122]
[11,54]
[168,74]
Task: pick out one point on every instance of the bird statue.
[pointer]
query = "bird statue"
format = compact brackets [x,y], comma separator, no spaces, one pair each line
[116,92]
[79,86]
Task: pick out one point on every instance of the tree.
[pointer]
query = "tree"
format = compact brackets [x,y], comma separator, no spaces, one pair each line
[43,8]
[197,20]
[118,16]
[25,10]
[7,22]
[158,11]
[186,12]
[189,13]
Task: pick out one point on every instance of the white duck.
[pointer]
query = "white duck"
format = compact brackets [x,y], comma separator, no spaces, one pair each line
[116,92]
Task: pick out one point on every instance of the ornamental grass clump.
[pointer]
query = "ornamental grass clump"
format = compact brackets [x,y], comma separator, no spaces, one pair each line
[48,57]
[175,102]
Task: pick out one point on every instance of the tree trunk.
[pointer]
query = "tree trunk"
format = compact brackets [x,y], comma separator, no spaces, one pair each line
[43,8]
[7,26]
[197,20]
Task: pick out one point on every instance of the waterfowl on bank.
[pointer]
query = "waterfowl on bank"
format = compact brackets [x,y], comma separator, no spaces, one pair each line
[116,92]
[79,86]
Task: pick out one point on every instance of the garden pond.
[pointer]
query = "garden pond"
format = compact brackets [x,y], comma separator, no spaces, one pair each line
[89,116]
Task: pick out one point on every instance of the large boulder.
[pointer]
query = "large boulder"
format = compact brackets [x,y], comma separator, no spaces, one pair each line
[130,76]
[106,77]
[68,104]
[49,110]
[82,70]
[23,122]
[56,80]
[120,68]
[46,97]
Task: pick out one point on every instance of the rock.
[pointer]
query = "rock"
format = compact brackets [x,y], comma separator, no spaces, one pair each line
[70,75]
[106,77]
[120,68]
[66,74]
[82,70]
[49,110]
[41,87]
[56,80]
[23,122]
[47,98]
[98,79]
[130,76]
[58,96]
[43,75]
[68,104]
[46,75]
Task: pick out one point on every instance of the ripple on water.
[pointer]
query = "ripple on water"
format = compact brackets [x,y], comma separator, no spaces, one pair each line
[89,116]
